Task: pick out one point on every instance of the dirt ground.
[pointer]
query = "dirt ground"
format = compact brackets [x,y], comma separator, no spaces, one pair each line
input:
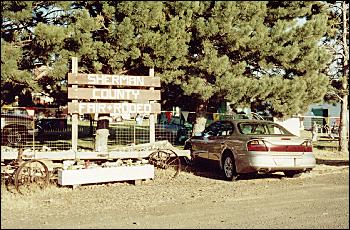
[197,198]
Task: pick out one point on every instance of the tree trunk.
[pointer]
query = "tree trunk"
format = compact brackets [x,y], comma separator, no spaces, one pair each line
[201,119]
[343,126]
[343,130]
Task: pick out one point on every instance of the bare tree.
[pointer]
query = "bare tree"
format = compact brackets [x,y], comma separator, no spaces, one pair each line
[343,127]
[337,40]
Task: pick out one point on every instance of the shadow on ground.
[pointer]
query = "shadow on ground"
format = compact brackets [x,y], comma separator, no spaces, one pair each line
[211,171]
[332,162]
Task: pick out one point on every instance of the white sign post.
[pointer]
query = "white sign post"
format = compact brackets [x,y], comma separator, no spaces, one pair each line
[152,132]
[75,115]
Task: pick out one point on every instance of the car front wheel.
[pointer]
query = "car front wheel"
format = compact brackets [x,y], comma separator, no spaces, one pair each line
[229,168]
[186,160]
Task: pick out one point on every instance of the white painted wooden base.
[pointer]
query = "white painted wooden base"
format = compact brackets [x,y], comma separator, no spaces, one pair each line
[89,155]
[135,151]
[98,175]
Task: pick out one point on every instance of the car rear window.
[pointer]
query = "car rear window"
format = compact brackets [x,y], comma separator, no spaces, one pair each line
[261,129]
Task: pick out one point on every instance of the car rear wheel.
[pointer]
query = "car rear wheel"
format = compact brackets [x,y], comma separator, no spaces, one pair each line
[292,174]
[229,168]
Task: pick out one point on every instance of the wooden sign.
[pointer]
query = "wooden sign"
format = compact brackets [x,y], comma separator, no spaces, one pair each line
[113,94]
[108,79]
[115,108]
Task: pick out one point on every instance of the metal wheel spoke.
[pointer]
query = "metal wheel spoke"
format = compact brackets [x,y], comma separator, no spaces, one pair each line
[9,182]
[172,161]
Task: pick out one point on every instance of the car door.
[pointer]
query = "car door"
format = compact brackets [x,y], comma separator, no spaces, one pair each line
[198,146]
[217,143]
[202,143]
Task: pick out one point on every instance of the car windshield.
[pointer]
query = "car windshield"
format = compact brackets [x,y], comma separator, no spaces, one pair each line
[261,129]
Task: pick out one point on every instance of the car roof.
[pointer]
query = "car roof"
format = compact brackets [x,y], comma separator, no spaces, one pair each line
[248,120]
[236,121]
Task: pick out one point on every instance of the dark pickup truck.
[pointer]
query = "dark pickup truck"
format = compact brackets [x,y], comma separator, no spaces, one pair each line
[17,127]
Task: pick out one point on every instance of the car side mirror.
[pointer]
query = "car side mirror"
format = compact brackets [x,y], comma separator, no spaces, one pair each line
[208,134]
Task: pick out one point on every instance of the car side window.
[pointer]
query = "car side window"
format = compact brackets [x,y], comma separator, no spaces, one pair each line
[245,128]
[213,129]
[226,129]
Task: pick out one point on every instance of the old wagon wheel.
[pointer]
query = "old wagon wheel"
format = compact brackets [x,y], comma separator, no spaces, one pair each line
[53,175]
[30,176]
[8,175]
[166,160]
[9,181]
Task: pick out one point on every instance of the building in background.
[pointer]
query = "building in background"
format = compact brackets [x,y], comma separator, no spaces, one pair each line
[322,114]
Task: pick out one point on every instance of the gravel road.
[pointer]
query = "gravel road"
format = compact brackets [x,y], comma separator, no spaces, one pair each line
[197,198]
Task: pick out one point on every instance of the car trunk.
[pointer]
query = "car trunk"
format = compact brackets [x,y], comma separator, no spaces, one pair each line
[285,151]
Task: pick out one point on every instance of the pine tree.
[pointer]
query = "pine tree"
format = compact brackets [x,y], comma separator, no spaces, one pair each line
[246,52]
[46,34]
[15,77]
[236,51]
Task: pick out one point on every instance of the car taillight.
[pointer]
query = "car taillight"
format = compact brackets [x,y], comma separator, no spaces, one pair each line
[257,145]
[307,146]
[262,146]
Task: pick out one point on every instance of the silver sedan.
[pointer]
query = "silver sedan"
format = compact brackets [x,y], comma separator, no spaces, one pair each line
[252,146]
